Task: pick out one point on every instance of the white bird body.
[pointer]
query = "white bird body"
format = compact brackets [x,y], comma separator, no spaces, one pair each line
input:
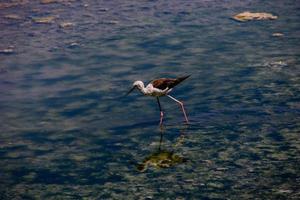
[150,90]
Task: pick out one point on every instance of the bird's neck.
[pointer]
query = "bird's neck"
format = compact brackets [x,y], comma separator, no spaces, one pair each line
[144,90]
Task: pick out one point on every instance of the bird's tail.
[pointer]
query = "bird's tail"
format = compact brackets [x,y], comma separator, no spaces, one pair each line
[180,79]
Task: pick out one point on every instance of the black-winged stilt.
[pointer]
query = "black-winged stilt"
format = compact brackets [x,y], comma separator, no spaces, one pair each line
[160,87]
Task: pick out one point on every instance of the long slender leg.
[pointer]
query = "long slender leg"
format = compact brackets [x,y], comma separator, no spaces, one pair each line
[182,107]
[161,112]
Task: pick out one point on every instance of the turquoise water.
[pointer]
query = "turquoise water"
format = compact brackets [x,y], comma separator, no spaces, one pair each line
[67,132]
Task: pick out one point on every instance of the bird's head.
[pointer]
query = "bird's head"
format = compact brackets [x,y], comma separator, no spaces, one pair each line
[137,84]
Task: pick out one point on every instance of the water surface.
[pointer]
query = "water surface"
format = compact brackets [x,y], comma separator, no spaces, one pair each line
[66,133]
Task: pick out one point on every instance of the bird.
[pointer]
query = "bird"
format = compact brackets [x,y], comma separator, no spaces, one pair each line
[158,88]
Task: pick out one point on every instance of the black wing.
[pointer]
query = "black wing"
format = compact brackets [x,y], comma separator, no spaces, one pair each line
[164,83]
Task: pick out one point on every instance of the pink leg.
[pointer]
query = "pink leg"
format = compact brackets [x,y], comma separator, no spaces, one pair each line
[182,107]
[161,112]
[161,118]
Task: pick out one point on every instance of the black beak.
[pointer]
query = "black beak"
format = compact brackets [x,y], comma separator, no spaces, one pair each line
[130,90]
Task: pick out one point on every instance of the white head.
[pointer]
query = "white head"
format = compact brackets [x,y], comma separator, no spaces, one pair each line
[137,84]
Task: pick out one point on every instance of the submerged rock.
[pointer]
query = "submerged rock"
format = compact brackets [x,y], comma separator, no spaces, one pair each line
[103,9]
[56,1]
[284,191]
[248,16]
[216,185]
[276,64]
[49,1]
[12,16]
[160,159]
[277,34]
[111,22]
[44,20]
[4,5]
[7,51]
[66,24]
[73,45]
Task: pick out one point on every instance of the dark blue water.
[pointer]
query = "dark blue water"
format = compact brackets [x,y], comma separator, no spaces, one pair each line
[67,133]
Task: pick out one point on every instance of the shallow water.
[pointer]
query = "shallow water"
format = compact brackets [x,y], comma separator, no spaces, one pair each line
[67,132]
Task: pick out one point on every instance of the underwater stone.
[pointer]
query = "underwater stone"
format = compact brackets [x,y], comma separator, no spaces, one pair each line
[12,3]
[66,24]
[111,22]
[54,1]
[277,34]
[30,176]
[49,1]
[7,51]
[248,16]
[276,64]
[221,168]
[44,20]
[215,185]
[283,191]
[12,16]
[73,45]
[79,158]
[103,9]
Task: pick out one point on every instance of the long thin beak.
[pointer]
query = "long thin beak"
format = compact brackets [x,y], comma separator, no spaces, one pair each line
[130,91]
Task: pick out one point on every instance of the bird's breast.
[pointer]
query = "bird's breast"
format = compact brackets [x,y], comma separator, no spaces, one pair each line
[157,92]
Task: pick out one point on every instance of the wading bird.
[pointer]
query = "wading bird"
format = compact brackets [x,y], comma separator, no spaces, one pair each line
[160,87]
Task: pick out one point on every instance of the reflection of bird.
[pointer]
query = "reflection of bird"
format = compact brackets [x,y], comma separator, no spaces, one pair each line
[161,159]
[160,87]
